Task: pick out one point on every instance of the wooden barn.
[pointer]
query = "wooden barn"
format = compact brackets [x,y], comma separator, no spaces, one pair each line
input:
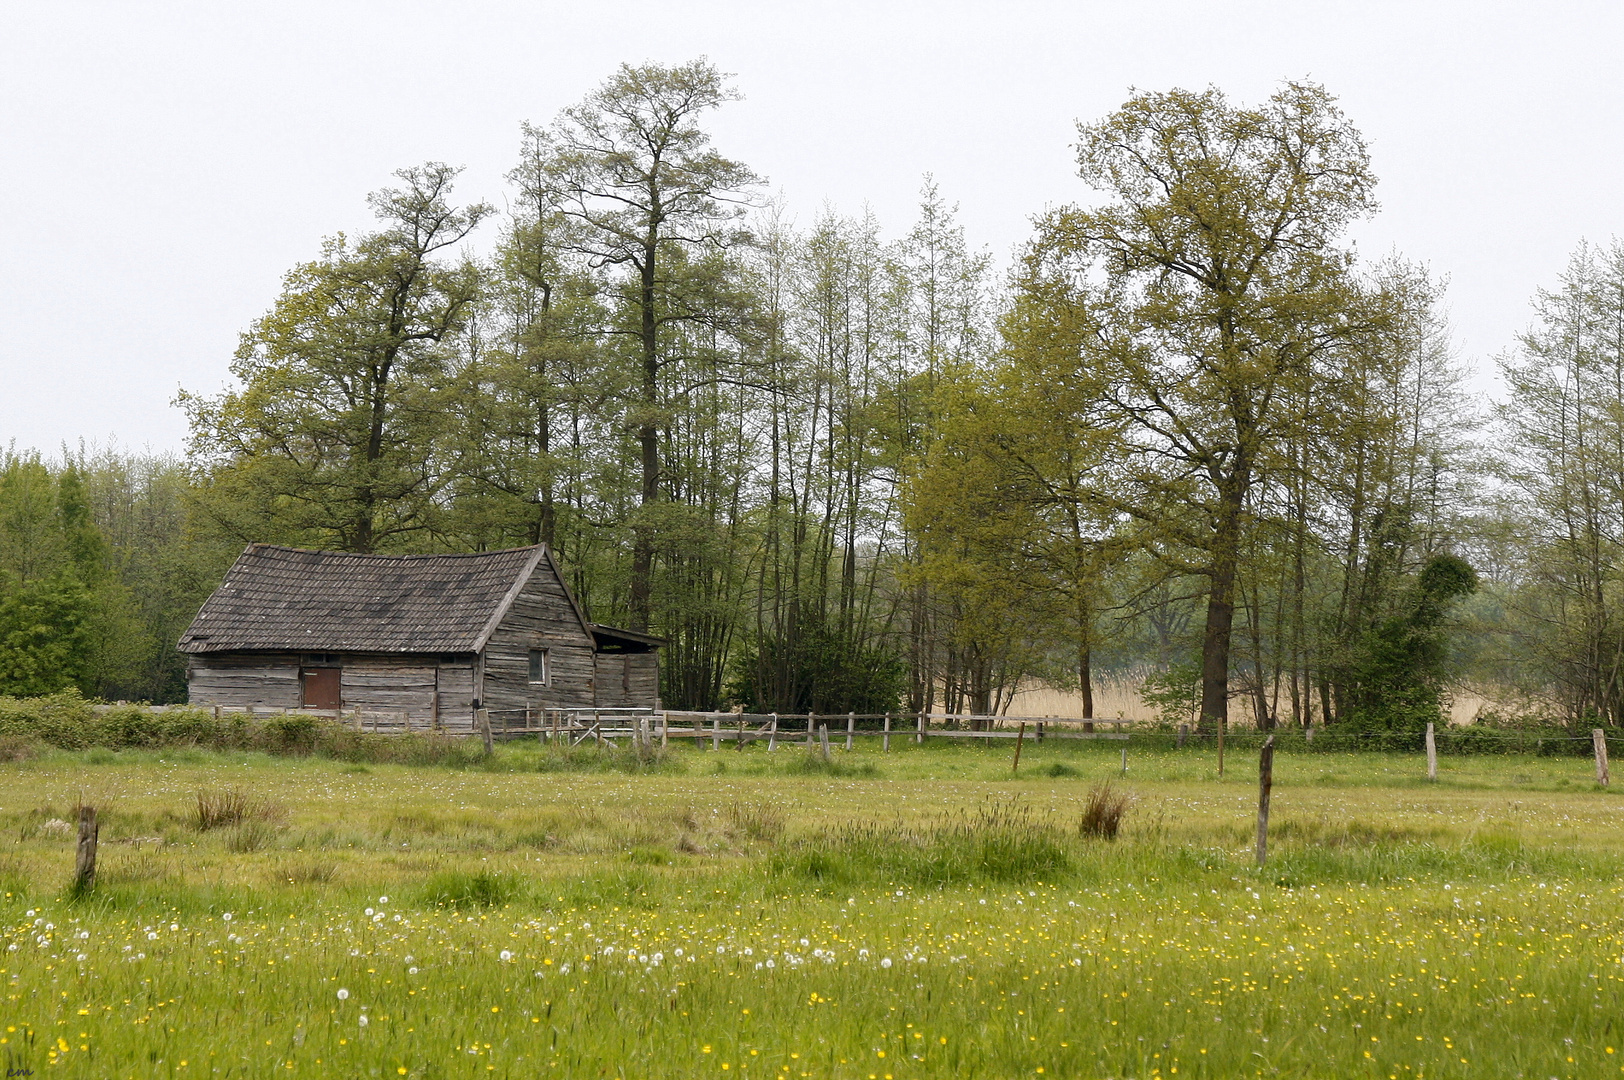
[419,641]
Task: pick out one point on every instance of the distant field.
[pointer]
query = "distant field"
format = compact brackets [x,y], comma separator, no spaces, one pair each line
[1121,698]
[734,914]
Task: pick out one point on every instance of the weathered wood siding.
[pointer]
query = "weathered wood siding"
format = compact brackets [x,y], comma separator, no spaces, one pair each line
[628,680]
[457,697]
[239,681]
[541,617]
[382,687]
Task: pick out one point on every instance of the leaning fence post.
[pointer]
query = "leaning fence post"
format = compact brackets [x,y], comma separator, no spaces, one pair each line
[1432,754]
[1020,737]
[84,869]
[851,726]
[1598,739]
[823,740]
[885,739]
[484,718]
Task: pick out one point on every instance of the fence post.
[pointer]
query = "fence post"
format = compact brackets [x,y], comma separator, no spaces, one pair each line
[358,727]
[665,728]
[810,721]
[772,733]
[823,740]
[1265,784]
[84,869]
[1124,759]
[1221,726]
[1598,739]
[1309,736]
[1020,737]
[1432,754]
[716,733]
[885,739]
[851,726]
[484,718]
[920,736]
[1184,733]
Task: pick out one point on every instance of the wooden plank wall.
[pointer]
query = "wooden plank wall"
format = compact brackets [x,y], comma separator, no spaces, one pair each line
[541,617]
[235,682]
[457,697]
[628,680]
[380,686]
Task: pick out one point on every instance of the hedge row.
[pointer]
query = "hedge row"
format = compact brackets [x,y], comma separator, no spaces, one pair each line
[68,721]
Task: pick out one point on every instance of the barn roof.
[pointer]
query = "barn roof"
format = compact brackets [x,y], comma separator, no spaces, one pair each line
[279,598]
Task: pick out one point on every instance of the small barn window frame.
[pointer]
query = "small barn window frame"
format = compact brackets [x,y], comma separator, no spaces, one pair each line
[541,667]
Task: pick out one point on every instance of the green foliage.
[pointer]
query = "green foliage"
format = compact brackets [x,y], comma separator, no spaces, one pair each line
[1174,693]
[1394,679]
[45,635]
[819,670]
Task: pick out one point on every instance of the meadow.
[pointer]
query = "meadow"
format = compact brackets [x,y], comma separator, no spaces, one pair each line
[921,913]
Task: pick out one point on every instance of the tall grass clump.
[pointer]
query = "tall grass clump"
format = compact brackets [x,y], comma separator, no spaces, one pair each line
[999,843]
[1103,812]
[811,762]
[463,888]
[228,807]
[590,757]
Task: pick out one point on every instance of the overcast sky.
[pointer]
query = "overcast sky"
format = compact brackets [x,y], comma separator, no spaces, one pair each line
[163,164]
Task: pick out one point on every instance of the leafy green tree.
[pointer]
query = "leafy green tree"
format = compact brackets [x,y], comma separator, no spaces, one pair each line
[330,437]
[1217,293]
[46,642]
[639,189]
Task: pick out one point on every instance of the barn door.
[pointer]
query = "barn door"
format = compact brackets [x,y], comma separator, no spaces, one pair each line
[321,687]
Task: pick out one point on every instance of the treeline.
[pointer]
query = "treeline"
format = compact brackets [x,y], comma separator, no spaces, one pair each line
[1187,436]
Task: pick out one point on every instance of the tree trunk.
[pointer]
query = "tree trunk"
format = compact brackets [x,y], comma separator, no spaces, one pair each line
[1220,614]
[648,441]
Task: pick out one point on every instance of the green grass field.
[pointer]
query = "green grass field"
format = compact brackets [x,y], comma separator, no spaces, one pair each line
[739,914]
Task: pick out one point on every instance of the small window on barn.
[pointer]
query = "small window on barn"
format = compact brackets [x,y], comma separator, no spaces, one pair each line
[540,670]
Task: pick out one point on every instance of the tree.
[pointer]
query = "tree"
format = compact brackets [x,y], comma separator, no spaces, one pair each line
[1563,460]
[1216,293]
[638,186]
[329,438]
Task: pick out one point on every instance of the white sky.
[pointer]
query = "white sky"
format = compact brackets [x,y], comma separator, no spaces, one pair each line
[162,164]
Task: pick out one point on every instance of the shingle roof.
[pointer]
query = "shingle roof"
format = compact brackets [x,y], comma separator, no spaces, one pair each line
[326,601]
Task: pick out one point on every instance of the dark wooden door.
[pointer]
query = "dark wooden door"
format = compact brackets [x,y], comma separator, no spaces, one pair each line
[321,687]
